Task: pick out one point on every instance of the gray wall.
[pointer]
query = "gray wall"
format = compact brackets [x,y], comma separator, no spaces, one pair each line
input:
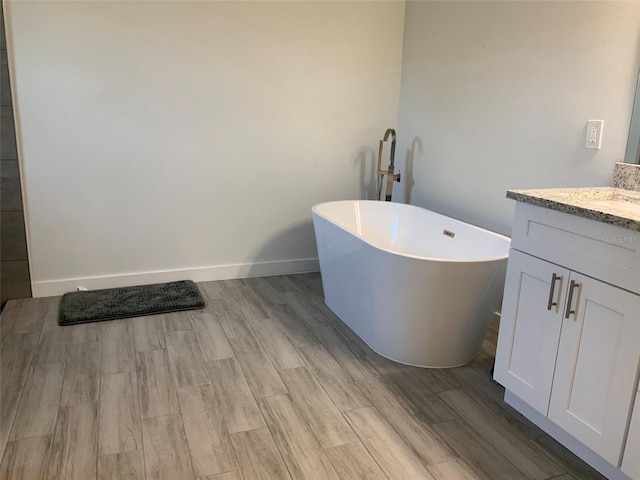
[14,267]
[496,95]
[164,140]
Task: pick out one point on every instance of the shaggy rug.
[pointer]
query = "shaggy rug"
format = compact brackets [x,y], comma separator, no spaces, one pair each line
[112,303]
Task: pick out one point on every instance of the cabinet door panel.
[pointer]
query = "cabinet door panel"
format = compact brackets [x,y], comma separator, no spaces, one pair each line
[529,331]
[631,458]
[597,364]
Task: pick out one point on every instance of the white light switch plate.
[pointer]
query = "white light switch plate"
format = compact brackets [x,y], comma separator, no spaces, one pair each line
[594,134]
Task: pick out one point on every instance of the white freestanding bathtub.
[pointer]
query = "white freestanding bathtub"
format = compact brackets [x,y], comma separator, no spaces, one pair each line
[418,287]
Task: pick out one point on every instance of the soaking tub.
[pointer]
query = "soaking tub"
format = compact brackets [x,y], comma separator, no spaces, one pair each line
[418,287]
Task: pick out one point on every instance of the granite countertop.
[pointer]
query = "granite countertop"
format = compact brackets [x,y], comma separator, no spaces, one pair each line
[616,206]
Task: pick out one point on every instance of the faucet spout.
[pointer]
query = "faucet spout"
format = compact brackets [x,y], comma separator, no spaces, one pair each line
[391,177]
[392,132]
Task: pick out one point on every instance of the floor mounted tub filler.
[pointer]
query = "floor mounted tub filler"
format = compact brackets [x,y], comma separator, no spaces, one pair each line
[418,287]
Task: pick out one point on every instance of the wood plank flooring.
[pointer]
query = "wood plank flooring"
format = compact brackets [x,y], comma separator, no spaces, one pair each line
[264,383]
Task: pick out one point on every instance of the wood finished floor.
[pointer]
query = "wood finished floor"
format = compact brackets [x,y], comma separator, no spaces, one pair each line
[265,383]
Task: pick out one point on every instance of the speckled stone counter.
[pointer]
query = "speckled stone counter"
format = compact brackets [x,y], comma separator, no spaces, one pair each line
[627,176]
[602,204]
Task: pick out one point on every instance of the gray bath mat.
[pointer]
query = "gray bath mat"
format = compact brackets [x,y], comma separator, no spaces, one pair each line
[112,303]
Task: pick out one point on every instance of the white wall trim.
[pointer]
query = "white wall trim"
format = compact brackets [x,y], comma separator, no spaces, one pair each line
[51,288]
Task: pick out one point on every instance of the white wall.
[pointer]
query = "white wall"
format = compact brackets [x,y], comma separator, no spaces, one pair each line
[170,136]
[496,95]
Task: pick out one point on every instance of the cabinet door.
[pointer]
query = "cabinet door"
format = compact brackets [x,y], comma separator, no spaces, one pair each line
[530,328]
[597,366]
[631,458]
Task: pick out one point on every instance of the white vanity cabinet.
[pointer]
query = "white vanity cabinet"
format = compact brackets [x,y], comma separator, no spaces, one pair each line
[569,344]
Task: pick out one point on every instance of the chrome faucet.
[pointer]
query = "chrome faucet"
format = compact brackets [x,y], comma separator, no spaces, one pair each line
[389,171]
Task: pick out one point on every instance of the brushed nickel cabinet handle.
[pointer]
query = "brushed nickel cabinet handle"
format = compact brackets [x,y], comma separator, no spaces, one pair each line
[552,288]
[568,312]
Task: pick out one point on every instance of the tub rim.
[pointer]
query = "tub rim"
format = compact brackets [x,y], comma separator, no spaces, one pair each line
[314,210]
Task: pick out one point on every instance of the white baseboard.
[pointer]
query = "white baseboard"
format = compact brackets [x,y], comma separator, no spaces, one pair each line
[52,288]
[570,442]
